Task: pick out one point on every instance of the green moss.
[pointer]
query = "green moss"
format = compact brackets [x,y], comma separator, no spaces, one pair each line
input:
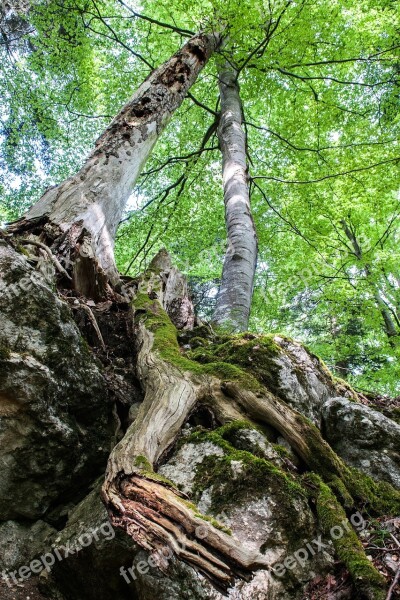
[142,463]
[258,475]
[166,343]
[341,492]
[196,342]
[22,250]
[338,381]
[5,351]
[378,496]
[281,450]
[214,523]
[348,547]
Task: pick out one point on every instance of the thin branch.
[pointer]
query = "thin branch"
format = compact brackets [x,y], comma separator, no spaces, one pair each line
[184,32]
[333,79]
[195,101]
[264,43]
[115,37]
[175,159]
[330,176]
[320,149]
[370,58]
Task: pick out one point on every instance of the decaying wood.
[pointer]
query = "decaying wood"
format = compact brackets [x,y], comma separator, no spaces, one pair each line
[79,217]
[152,511]
[49,253]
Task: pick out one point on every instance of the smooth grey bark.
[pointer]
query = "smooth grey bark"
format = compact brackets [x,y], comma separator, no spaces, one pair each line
[234,297]
[388,322]
[81,215]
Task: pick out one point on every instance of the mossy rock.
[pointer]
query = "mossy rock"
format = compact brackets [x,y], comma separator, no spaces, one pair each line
[258,476]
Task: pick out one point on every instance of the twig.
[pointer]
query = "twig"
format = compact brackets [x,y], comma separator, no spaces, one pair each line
[394,584]
[395,539]
[93,321]
[53,259]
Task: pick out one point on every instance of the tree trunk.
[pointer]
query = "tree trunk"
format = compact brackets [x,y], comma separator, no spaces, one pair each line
[78,219]
[388,323]
[234,297]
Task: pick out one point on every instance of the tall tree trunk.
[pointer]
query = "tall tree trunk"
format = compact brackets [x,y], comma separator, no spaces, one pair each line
[78,219]
[388,322]
[234,297]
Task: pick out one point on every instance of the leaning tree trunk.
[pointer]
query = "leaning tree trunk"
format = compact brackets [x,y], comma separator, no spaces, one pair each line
[234,297]
[78,219]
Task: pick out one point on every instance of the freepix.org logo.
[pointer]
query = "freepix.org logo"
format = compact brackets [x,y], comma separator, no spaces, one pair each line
[48,560]
[311,548]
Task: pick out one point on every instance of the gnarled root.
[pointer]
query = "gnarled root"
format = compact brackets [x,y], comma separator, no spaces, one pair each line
[159,519]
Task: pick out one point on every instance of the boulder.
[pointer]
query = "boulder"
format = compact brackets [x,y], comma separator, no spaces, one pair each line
[55,414]
[364,438]
[21,542]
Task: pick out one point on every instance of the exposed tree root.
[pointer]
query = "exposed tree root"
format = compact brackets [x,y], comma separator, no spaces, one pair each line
[156,515]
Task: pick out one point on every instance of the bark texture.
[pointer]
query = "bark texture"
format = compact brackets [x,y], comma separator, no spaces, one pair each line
[78,219]
[234,297]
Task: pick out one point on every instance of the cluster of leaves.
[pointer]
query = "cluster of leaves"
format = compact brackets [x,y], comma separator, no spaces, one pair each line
[319,86]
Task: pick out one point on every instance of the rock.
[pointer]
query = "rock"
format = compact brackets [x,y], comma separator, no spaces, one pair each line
[55,415]
[181,468]
[114,567]
[92,553]
[260,519]
[20,543]
[302,381]
[364,438]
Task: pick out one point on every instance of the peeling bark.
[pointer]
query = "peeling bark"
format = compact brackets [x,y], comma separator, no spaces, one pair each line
[234,297]
[78,219]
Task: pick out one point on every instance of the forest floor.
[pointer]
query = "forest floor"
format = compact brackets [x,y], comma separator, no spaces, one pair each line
[381,541]
[28,590]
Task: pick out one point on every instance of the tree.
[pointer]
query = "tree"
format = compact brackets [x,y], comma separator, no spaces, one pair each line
[236,290]
[235,383]
[90,223]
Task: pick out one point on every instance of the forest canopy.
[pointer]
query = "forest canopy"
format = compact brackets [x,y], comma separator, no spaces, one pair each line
[319,86]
